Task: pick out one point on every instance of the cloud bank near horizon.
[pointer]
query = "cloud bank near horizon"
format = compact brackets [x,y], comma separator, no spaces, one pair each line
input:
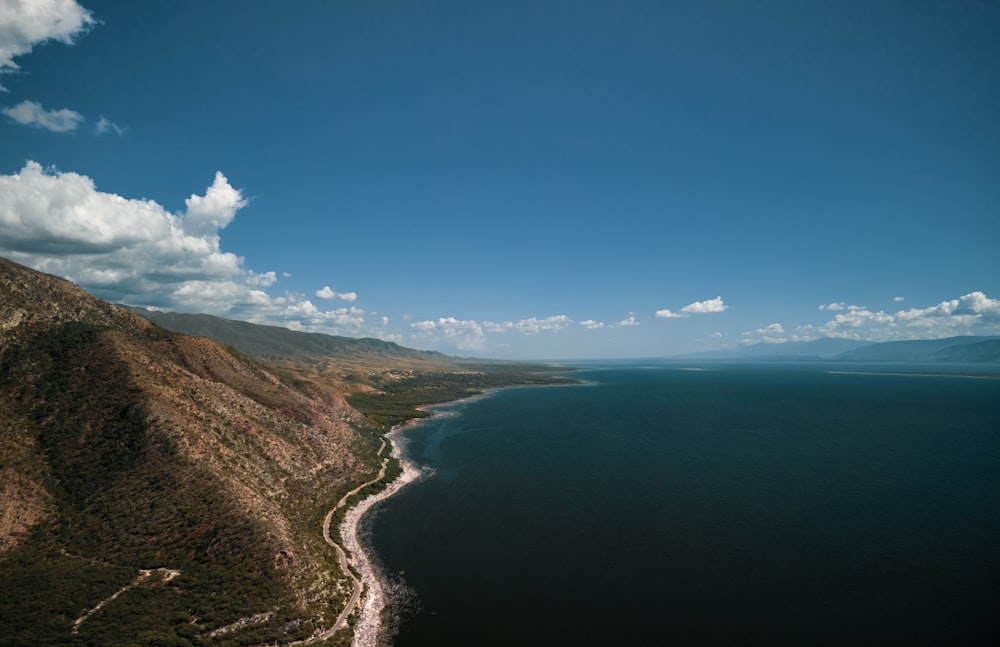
[136,252]
[971,314]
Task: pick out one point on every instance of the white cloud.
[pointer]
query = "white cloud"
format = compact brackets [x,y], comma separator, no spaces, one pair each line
[970,307]
[471,335]
[590,324]
[491,326]
[898,299]
[30,113]
[463,334]
[105,125]
[631,321]
[971,314]
[24,24]
[533,325]
[136,252]
[697,307]
[328,293]
[833,306]
[771,334]
[711,305]
[209,213]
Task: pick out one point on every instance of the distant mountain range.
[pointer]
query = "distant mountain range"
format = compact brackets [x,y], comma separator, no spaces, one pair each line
[273,342]
[952,349]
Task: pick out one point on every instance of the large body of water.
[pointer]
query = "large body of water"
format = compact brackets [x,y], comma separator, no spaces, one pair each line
[763,504]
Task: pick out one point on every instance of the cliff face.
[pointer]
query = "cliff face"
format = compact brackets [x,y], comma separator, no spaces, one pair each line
[125,447]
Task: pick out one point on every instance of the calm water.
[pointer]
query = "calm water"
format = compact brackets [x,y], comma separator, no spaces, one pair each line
[779,503]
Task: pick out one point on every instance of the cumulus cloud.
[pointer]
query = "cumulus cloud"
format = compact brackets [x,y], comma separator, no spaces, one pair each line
[328,293]
[463,334]
[630,321]
[30,113]
[974,306]
[697,307]
[472,335]
[211,212]
[971,314]
[534,325]
[832,306]
[26,24]
[712,305]
[771,334]
[590,324]
[137,252]
[492,326]
[898,299]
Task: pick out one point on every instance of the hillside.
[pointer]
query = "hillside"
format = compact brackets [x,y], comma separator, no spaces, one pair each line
[161,488]
[132,455]
[387,382]
[265,341]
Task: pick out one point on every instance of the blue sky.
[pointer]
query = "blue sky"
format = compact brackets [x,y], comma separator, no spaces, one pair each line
[514,179]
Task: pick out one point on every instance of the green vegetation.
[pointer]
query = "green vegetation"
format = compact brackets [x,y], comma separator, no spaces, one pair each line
[125,501]
[400,395]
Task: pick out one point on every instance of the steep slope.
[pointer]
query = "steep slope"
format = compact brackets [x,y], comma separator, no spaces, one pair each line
[258,340]
[125,449]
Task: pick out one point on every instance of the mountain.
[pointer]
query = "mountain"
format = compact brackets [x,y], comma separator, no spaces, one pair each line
[951,349]
[387,382]
[987,350]
[824,348]
[168,466]
[264,341]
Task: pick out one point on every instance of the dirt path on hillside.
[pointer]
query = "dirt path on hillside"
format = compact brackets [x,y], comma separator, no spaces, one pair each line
[144,575]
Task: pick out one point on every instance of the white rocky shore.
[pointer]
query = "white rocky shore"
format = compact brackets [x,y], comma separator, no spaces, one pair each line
[366,630]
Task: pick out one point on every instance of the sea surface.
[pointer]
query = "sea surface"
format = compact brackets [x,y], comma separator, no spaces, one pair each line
[706,504]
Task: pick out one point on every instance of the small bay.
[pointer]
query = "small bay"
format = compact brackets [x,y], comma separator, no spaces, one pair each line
[786,503]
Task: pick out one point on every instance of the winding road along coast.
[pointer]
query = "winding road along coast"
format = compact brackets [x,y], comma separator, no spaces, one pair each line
[367,627]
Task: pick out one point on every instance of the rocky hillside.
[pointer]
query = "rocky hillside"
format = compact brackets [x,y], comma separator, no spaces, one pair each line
[169,468]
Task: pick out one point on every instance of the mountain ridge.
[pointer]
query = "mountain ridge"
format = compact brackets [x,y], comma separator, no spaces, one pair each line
[267,341]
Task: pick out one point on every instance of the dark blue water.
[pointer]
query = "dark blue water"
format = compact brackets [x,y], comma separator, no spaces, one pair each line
[780,504]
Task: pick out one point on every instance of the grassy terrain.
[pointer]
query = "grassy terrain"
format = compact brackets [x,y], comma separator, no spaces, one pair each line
[400,395]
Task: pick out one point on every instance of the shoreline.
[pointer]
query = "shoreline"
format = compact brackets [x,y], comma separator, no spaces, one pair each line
[373,599]
[366,629]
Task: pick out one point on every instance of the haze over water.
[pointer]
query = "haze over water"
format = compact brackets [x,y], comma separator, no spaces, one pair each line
[785,503]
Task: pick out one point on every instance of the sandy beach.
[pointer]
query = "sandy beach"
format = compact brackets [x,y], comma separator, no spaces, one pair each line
[366,630]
